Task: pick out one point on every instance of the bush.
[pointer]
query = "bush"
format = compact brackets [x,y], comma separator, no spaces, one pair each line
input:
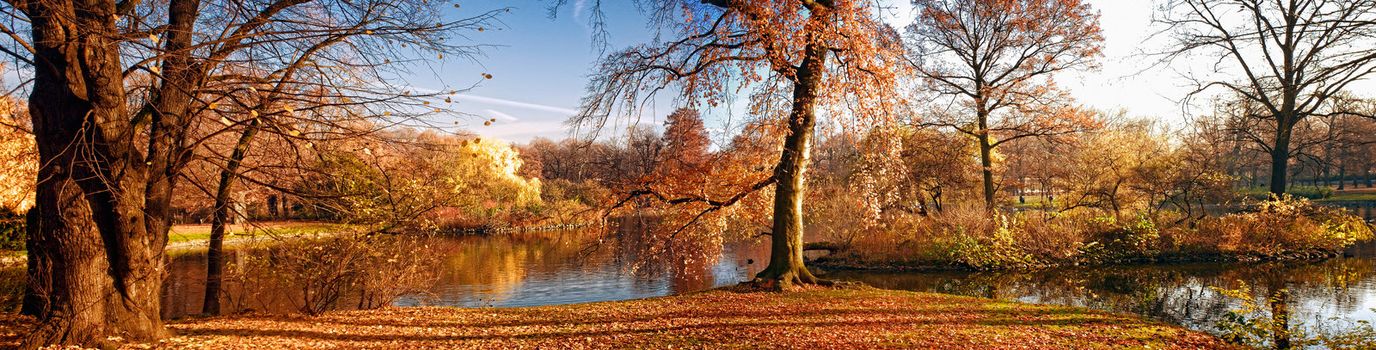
[997,250]
[372,270]
[1114,242]
[11,230]
[1286,225]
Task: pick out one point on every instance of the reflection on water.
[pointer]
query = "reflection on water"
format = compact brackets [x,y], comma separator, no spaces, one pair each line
[1365,209]
[502,270]
[1335,293]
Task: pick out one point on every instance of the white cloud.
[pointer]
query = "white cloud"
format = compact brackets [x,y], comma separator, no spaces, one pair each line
[517,104]
[500,115]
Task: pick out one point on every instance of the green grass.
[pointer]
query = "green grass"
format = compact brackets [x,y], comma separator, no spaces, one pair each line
[1310,192]
[181,235]
[1350,197]
[191,233]
[1033,202]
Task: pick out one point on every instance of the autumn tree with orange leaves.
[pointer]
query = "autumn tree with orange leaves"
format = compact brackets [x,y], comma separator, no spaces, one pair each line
[801,55]
[996,59]
[686,143]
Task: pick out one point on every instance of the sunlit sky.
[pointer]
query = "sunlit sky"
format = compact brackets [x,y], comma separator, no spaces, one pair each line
[541,65]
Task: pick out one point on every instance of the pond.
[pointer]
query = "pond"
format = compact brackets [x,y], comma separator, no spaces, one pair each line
[530,269]
[499,270]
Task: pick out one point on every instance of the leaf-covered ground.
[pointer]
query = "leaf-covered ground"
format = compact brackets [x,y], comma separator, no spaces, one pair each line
[821,319]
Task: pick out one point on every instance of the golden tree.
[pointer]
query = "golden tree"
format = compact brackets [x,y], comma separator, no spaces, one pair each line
[18,158]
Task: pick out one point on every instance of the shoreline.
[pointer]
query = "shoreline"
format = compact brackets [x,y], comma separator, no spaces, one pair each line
[834,264]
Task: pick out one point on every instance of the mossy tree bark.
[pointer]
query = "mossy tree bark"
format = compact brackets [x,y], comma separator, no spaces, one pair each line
[986,160]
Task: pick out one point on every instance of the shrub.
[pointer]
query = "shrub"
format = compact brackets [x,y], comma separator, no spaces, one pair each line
[326,270]
[1285,225]
[1307,192]
[11,230]
[996,250]
[1053,237]
[1114,242]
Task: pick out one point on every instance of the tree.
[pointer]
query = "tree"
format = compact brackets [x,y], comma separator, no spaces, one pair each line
[1292,56]
[420,181]
[1106,170]
[685,142]
[643,153]
[18,158]
[800,53]
[912,169]
[998,58]
[113,136]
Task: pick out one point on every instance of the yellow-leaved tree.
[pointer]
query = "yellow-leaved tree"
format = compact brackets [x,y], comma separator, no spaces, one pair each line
[18,158]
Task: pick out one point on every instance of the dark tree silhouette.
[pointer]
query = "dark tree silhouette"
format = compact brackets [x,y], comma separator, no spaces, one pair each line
[1286,57]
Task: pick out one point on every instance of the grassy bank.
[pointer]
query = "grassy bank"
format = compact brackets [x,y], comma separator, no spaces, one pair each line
[196,235]
[185,239]
[851,318]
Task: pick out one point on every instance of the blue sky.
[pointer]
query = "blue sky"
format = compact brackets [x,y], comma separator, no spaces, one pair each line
[540,66]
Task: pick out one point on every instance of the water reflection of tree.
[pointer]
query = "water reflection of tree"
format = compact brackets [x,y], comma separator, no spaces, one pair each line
[493,267]
[685,257]
[1178,294]
[496,266]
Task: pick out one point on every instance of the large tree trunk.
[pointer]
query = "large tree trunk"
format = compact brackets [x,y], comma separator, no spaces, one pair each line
[986,162]
[1280,159]
[986,150]
[1342,169]
[1342,175]
[96,259]
[214,257]
[67,271]
[1366,175]
[786,249]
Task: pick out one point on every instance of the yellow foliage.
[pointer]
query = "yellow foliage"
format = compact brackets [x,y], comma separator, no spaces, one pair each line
[18,159]
[493,165]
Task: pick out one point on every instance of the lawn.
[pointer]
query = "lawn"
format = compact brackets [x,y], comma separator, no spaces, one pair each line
[857,317]
[191,233]
[1365,196]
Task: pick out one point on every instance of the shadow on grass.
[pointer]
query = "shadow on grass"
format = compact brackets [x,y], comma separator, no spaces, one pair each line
[722,328]
[676,323]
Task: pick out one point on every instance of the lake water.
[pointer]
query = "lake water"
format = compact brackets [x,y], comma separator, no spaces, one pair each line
[512,270]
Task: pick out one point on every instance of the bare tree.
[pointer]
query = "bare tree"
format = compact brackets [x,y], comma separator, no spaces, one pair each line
[1287,57]
[998,58]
